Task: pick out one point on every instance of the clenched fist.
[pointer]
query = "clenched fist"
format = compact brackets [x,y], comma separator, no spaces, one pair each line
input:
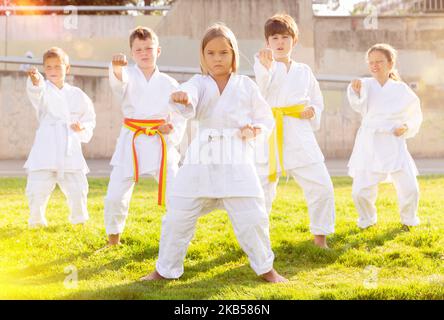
[119,60]
[249,132]
[400,130]
[77,126]
[180,97]
[266,57]
[308,113]
[356,86]
[33,73]
[166,128]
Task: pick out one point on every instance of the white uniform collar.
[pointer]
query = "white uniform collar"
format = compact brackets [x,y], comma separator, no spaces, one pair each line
[153,75]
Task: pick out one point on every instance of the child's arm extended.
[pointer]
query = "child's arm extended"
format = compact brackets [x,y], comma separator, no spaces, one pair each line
[118,75]
[87,122]
[263,62]
[186,98]
[35,87]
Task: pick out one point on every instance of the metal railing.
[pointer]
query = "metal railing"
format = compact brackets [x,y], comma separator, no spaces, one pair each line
[429,6]
[166,69]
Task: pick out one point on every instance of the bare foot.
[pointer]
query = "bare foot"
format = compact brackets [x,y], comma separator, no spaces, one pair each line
[152,276]
[108,246]
[321,241]
[273,277]
[114,239]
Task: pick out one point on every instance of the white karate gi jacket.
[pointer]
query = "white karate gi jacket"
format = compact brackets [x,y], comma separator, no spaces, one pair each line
[144,99]
[297,86]
[218,163]
[383,109]
[56,146]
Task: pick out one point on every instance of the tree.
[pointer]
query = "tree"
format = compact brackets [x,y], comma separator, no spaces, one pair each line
[93,3]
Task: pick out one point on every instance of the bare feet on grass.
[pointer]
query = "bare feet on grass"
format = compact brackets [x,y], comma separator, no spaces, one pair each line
[114,240]
[321,241]
[152,276]
[273,277]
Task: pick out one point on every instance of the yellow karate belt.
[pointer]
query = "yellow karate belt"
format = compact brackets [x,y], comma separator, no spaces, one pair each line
[150,128]
[278,134]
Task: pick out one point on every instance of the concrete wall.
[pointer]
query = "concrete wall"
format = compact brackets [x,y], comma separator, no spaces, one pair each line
[420,43]
[339,123]
[93,38]
[18,121]
[330,45]
[181,32]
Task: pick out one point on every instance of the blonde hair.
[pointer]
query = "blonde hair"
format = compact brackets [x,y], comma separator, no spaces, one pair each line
[391,54]
[219,30]
[281,24]
[56,52]
[142,33]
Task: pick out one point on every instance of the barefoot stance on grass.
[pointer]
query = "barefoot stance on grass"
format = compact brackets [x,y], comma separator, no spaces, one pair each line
[321,242]
[271,276]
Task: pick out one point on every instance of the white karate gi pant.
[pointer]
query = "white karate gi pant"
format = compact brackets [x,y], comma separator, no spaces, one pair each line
[316,184]
[40,185]
[247,215]
[118,197]
[365,190]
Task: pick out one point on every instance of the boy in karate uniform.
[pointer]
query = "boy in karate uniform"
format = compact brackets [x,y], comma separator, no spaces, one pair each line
[150,130]
[66,119]
[296,100]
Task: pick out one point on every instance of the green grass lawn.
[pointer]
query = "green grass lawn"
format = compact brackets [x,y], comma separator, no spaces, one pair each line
[383,262]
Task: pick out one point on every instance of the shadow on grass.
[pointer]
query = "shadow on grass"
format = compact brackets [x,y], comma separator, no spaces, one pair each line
[372,237]
[10,232]
[198,283]
[201,279]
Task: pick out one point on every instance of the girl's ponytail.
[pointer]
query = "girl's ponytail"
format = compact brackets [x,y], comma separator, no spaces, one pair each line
[394,75]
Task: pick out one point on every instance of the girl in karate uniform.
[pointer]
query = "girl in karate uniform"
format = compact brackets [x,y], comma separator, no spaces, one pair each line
[293,92]
[218,169]
[391,114]
[66,119]
[150,130]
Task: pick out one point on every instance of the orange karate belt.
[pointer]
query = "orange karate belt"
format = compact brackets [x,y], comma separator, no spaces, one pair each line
[150,128]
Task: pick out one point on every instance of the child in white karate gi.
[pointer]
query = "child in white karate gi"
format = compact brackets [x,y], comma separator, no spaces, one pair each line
[297,103]
[391,114]
[66,119]
[150,131]
[219,169]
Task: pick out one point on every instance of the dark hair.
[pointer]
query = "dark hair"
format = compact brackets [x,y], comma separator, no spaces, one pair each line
[281,24]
